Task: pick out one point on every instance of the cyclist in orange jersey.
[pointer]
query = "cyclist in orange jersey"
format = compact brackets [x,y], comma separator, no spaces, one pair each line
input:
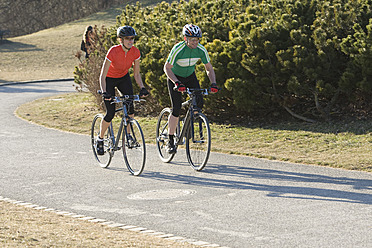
[114,73]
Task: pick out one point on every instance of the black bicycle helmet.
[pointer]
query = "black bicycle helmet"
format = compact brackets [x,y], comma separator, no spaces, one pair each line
[126,31]
[191,30]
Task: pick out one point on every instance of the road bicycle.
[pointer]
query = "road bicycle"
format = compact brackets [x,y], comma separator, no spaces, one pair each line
[193,130]
[129,138]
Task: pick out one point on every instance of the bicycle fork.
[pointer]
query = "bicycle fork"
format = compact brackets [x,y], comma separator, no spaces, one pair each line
[201,135]
[192,130]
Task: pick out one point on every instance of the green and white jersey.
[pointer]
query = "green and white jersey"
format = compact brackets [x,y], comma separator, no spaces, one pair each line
[184,58]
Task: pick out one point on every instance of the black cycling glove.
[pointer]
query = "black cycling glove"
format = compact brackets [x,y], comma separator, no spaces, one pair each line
[143,92]
[106,96]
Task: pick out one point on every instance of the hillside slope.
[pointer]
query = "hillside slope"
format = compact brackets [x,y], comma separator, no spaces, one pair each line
[42,14]
[50,53]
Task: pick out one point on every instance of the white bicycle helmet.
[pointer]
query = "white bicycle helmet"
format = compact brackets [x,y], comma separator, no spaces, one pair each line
[191,30]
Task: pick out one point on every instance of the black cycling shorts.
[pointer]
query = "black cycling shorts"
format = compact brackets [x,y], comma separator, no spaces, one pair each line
[124,85]
[176,97]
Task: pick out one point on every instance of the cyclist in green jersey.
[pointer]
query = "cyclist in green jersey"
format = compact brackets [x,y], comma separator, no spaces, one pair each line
[180,71]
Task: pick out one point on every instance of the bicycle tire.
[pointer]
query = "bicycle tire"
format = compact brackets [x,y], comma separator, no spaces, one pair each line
[134,150]
[105,159]
[198,147]
[162,136]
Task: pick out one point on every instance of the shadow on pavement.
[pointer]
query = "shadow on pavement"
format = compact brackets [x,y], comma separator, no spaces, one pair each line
[238,178]
[19,87]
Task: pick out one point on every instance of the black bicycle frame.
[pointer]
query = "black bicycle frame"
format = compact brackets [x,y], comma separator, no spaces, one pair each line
[188,121]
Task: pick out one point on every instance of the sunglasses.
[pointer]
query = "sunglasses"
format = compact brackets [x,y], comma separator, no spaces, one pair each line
[193,39]
[129,38]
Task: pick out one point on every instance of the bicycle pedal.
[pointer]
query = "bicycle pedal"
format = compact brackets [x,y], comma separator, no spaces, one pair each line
[135,145]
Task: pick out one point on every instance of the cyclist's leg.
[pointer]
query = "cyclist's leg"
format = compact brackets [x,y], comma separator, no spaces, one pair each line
[110,108]
[176,100]
[126,88]
[172,123]
[104,126]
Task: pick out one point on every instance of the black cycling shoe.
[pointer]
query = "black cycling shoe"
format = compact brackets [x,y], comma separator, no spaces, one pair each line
[171,148]
[100,150]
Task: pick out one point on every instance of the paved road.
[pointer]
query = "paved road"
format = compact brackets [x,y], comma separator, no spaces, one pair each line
[236,201]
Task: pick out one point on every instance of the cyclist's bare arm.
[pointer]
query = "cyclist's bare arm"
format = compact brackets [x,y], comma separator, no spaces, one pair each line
[210,72]
[137,74]
[104,71]
[168,71]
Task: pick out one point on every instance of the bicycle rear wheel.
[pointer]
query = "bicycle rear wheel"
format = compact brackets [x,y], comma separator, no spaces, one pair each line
[105,159]
[134,149]
[198,142]
[162,136]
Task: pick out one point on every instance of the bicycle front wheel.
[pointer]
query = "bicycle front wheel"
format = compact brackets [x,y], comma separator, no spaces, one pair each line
[162,137]
[105,159]
[134,149]
[198,142]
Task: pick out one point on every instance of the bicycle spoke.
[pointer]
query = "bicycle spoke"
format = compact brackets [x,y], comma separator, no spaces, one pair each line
[105,159]
[134,149]
[162,136]
[198,144]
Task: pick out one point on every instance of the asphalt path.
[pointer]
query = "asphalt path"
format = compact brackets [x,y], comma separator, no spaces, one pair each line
[235,201]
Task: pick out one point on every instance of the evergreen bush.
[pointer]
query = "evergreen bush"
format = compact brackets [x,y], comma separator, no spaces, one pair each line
[311,58]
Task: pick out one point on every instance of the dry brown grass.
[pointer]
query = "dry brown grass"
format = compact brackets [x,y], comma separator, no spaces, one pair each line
[26,227]
[71,112]
[50,53]
[340,145]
